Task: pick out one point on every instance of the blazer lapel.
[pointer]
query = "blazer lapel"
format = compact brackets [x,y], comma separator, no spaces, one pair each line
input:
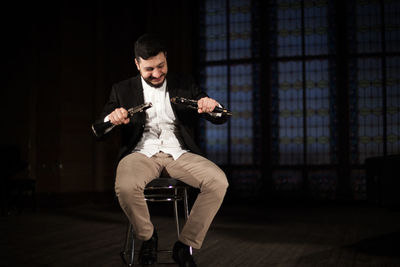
[173,92]
[137,91]
[171,87]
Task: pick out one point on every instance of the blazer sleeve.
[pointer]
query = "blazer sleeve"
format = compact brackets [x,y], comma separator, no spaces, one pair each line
[112,103]
[197,94]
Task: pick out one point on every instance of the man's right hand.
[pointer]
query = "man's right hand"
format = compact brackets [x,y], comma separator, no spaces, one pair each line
[119,116]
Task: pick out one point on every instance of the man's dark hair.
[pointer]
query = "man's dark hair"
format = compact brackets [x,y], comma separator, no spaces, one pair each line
[149,45]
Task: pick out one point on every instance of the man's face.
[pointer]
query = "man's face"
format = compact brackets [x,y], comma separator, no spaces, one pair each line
[153,70]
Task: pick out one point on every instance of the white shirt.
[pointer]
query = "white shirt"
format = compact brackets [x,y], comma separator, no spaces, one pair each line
[160,131]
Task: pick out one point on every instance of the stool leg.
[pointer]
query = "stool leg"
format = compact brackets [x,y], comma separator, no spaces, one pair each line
[185,203]
[132,248]
[128,255]
[176,213]
[186,207]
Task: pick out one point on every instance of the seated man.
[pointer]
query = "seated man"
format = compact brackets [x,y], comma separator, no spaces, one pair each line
[160,139]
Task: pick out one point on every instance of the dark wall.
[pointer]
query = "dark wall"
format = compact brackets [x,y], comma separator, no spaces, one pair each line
[61,60]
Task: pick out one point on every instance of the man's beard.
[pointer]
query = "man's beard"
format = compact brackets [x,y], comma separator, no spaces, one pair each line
[149,79]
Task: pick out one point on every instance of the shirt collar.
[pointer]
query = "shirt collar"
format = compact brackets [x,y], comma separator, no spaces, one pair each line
[147,87]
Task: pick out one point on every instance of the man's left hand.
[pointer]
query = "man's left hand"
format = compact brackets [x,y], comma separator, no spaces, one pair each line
[206,105]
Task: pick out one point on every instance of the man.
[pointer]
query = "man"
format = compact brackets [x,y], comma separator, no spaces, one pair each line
[161,139]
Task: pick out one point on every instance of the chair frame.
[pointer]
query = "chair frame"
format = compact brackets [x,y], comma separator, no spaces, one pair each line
[173,192]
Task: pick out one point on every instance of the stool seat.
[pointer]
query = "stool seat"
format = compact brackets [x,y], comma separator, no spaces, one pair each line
[165,182]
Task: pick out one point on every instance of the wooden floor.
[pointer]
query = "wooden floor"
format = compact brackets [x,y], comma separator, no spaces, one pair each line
[300,235]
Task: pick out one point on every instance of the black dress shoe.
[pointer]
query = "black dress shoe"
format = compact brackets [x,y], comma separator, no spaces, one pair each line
[148,251]
[181,255]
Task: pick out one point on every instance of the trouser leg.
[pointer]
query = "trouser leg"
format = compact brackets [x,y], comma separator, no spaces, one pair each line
[201,173]
[133,173]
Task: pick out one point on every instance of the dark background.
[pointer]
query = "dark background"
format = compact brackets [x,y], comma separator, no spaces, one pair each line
[61,60]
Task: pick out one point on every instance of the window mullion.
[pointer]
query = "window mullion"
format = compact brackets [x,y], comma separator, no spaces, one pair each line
[384,91]
[304,85]
[229,159]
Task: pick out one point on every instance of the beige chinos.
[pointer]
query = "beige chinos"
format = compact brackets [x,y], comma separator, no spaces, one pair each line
[136,170]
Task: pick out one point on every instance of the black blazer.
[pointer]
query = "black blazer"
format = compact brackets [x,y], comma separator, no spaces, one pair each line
[129,93]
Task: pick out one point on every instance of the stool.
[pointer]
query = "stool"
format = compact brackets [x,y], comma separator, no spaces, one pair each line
[159,190]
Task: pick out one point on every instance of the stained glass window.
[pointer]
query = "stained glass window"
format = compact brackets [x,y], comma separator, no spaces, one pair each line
[369,109]
[289,91]
[368,84]
[230,84]
[289,28]
[393,105]
[242,107]
[290,98]
[215,30]
[316,27]
[368,26]
[216,140]
[373,84]
[318,112]
[298,47]
[392,25]
[240,29]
